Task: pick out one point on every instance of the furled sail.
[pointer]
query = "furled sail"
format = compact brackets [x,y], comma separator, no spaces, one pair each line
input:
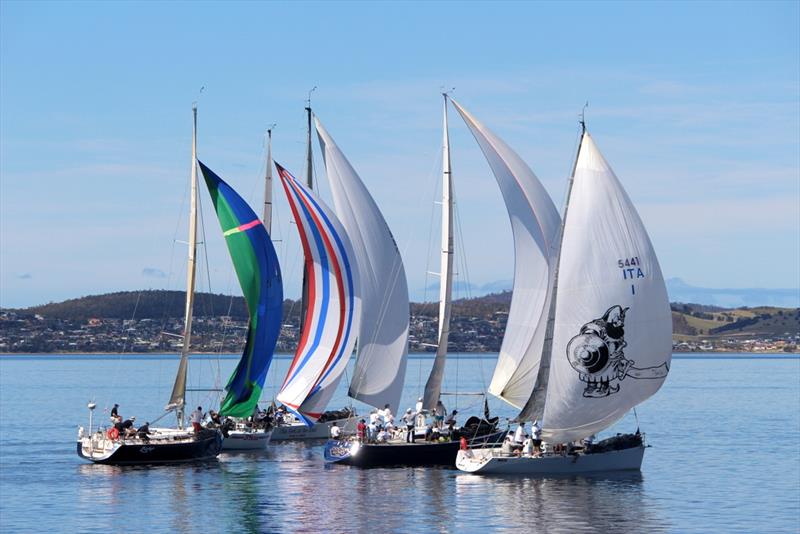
[611,343]
[433,386]
[383,335]
[332,319]
[534,223]
[259,274]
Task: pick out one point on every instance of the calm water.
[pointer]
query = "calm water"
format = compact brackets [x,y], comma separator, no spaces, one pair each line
[725,456]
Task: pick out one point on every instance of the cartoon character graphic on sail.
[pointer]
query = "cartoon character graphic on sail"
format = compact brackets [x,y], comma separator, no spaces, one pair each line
[597,354]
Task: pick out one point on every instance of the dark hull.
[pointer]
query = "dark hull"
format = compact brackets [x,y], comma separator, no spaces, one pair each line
[206,447]
[420,454]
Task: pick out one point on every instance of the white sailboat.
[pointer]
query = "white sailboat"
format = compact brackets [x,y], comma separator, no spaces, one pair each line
[398,451]
[607,343]
[383,332]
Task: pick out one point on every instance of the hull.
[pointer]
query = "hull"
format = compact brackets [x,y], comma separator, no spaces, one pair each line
[299,431]
[400,454]
[246,440]
[169,450]
[489,461]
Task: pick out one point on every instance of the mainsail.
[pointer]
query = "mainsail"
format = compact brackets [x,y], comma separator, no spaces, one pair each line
[177,399]
[534,223]
[259,274]
[433,386]
[383,335]
[611,339]
[334,305]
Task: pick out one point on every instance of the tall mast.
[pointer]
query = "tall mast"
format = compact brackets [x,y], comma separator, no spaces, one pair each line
[534,408]
[178,398]
[433,387]
[267,218]
[310,184]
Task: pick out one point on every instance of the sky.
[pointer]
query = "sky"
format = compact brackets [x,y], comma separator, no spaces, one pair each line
[696,106]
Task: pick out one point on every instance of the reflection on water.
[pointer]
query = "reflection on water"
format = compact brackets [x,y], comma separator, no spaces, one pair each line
[597,503]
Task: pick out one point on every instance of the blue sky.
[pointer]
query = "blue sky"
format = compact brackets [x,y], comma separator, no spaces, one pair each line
[695,105]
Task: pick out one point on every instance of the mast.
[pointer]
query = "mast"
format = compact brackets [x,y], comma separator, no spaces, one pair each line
[433,387]
[267,218]
[310,184]
[534,408]
[178,398]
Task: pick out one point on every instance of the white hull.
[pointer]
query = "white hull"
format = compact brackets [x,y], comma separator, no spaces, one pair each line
[247,440]
[491,461]
[297,430]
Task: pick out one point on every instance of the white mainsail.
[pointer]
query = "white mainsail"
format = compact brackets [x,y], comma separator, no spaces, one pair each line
[433,387]
[611,341]
[534,223]
[383,335]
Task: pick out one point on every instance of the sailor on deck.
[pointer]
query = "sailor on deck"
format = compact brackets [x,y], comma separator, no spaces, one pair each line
[335,431]
[408,420]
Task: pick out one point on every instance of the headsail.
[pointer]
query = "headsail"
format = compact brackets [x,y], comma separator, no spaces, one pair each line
[334,304]
[534,223]
[383,336]
[259,274]
[611,346]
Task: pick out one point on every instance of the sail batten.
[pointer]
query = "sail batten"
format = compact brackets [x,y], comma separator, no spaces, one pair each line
[611,321]
[256,264]
[333,316]
[383,334]
[534,223]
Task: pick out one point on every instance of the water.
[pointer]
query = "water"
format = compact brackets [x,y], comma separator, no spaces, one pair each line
[725,457]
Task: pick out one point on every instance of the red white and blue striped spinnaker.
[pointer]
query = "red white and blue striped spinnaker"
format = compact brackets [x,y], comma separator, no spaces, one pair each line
[332,318]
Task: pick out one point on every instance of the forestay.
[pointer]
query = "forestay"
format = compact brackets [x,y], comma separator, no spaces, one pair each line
[334,305]
[534,223]
[383,335]
[259,274]
[612,343]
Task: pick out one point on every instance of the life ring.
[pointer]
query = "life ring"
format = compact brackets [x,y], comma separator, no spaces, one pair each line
[113,433]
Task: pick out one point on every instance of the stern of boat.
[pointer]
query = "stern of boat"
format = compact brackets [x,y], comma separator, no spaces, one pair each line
[472,460]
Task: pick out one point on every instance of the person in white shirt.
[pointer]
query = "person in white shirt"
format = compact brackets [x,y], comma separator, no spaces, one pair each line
[383,436]
[418,407]
[536,434]
[335,431]
[373,417]
[408,420]
[505,448]
[196,418]
[372,431]
[527,447]
[520,434]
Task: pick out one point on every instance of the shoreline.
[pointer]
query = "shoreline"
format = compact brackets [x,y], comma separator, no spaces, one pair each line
[412,355]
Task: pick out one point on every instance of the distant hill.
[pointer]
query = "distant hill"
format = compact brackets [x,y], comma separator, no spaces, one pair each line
[680,291]
[688,320]
[693,320]
[149,304]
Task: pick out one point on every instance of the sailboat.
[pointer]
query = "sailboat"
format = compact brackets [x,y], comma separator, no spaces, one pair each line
[333,315]
[397,452]
[161,445]
[291,427]
[256,264]
[607,333]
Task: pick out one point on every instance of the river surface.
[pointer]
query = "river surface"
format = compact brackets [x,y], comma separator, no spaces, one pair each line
[725,457]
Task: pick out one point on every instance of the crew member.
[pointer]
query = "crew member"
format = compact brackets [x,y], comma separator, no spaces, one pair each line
[197,418]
